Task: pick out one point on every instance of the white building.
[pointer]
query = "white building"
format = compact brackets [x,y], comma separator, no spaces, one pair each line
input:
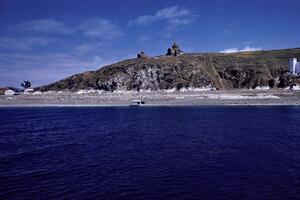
[28,91]
[9,92]
[294,66]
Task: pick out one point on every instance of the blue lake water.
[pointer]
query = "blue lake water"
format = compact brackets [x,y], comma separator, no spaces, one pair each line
[150,153]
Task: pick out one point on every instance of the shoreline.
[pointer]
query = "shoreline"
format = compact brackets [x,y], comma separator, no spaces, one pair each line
[145,106]
[156,99]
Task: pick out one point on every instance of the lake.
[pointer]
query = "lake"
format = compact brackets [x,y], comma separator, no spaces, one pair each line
[152,153]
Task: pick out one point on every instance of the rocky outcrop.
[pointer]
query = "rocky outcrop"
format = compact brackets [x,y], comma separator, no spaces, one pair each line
[223,71]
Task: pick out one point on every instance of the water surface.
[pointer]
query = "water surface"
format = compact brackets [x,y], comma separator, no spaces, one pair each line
[150,153]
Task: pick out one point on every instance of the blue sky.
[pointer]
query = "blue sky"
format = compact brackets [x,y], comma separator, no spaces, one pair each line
[47,40]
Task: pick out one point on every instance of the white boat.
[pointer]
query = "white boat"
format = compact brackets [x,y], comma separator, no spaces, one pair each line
[137,103]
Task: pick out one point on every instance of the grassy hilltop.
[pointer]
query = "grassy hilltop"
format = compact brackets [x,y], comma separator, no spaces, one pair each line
[218,70]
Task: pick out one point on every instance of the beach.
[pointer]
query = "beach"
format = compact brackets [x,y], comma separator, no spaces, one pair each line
[157,98]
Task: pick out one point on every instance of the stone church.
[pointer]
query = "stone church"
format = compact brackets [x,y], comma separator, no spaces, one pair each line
[174,50]
[142,54]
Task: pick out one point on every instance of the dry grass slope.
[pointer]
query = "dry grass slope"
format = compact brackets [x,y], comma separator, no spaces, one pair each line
[223,71]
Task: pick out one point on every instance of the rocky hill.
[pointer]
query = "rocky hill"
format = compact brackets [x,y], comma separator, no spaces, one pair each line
[191,70]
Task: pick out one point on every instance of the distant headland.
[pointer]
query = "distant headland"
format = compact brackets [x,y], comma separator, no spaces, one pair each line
[182,71]
[176,78]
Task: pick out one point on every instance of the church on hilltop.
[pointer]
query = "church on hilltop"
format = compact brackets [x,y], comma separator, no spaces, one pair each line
[174,50]
[142,54]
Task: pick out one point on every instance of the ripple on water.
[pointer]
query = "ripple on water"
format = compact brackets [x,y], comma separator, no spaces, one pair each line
[151,153]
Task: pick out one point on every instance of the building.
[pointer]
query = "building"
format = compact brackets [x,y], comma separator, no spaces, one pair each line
[174,50]
[9,92]
[294,66]
[28,91]
[142,54]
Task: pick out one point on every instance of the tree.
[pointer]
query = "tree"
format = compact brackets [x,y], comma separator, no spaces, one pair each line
[26,84]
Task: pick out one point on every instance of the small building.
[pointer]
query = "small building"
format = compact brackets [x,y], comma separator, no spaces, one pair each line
[294,66]
[142,54]
[174,50]
[28,91]
[9,92]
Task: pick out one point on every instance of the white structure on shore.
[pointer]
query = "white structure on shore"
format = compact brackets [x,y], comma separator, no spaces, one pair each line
[294,66]
[28,91]
[9,92]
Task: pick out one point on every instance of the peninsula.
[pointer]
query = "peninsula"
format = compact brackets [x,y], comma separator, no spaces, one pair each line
[177,78]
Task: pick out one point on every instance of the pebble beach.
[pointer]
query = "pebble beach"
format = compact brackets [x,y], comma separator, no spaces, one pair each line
[157,98]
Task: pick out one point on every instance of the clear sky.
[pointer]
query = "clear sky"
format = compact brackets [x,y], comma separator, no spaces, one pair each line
[47,40]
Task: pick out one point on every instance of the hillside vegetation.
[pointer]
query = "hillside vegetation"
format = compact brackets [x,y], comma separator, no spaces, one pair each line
[191,70]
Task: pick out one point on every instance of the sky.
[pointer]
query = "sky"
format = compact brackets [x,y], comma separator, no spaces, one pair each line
[47,40]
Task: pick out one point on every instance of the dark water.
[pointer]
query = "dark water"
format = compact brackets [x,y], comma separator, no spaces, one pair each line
[150,153]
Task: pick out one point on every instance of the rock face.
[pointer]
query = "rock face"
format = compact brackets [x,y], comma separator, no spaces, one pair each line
[223,71]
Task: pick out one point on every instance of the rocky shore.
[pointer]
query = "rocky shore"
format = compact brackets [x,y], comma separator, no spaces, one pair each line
[160,98]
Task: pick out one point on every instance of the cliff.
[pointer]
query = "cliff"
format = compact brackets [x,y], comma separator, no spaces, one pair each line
[192,70]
